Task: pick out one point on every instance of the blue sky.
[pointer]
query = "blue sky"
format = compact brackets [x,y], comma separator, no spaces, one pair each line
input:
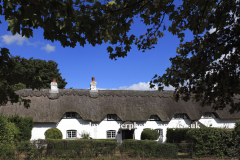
[77,65]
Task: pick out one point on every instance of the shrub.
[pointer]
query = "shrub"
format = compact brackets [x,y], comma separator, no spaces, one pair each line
[53,133]
[85,135]
[151,149]
[234,145]
[30,150]
[210,141]
[25,126]
[79,149]
[149,134]
[176,135]
[8,132]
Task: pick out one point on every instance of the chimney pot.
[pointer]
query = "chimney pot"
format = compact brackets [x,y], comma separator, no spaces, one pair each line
[54,86]
[93,85]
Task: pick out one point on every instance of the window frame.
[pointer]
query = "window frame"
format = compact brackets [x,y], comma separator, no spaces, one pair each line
[115,117]
[71,132]
[71,115]
[207,117]
[111,134]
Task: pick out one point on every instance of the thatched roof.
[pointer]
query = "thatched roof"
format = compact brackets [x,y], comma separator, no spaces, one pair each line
[129,105]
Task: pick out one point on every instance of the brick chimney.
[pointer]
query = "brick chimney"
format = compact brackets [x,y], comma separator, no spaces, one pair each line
[93,85]
[54,86]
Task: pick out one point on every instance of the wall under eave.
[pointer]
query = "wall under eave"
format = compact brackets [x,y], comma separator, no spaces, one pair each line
[219,123]
[98,130]
[39,129]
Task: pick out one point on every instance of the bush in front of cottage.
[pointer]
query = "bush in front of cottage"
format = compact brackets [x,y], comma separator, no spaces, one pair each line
[53,133]
[149,134]
[8,132]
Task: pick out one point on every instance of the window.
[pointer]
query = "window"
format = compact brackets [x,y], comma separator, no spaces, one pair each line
[111,134]
[71,115]
[180,116]
[111,117]
[71,134]
[160,131]
[207,115]
[154,118]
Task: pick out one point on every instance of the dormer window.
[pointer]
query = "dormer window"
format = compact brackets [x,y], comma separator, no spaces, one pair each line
[153,118]
[113,117]
[180,116]
[207,115]
[70,115]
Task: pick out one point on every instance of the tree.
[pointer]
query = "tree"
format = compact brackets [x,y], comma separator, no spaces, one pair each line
[47,71]
[207,68]
[18,86]
[195,71]
[24,70]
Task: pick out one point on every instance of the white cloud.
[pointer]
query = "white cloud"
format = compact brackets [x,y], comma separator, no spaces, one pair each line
[8,39]
[17,38]
[49,48]
[139,86]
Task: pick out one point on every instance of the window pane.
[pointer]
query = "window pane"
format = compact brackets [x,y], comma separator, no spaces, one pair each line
[181,116]
[69,134]
[73,134]
[68,114]
[73,115]
[111,134]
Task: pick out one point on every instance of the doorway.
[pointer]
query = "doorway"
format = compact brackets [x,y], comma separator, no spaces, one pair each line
[127,134]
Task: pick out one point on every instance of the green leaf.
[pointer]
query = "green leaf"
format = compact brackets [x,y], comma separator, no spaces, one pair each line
[109,49]
[9,5]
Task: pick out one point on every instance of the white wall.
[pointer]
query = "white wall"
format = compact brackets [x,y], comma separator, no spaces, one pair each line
[74,124]
[214,122]
[39,130]
[180,123]
[98,130]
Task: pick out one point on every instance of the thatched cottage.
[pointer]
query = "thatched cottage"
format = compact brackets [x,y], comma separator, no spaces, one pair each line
[120,114]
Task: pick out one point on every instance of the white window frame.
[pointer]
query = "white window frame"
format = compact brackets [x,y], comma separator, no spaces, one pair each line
[207,115]
[153,118]
[71,134]
[111,134]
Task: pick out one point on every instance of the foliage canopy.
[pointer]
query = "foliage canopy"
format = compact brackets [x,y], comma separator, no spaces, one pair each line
[23,70]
